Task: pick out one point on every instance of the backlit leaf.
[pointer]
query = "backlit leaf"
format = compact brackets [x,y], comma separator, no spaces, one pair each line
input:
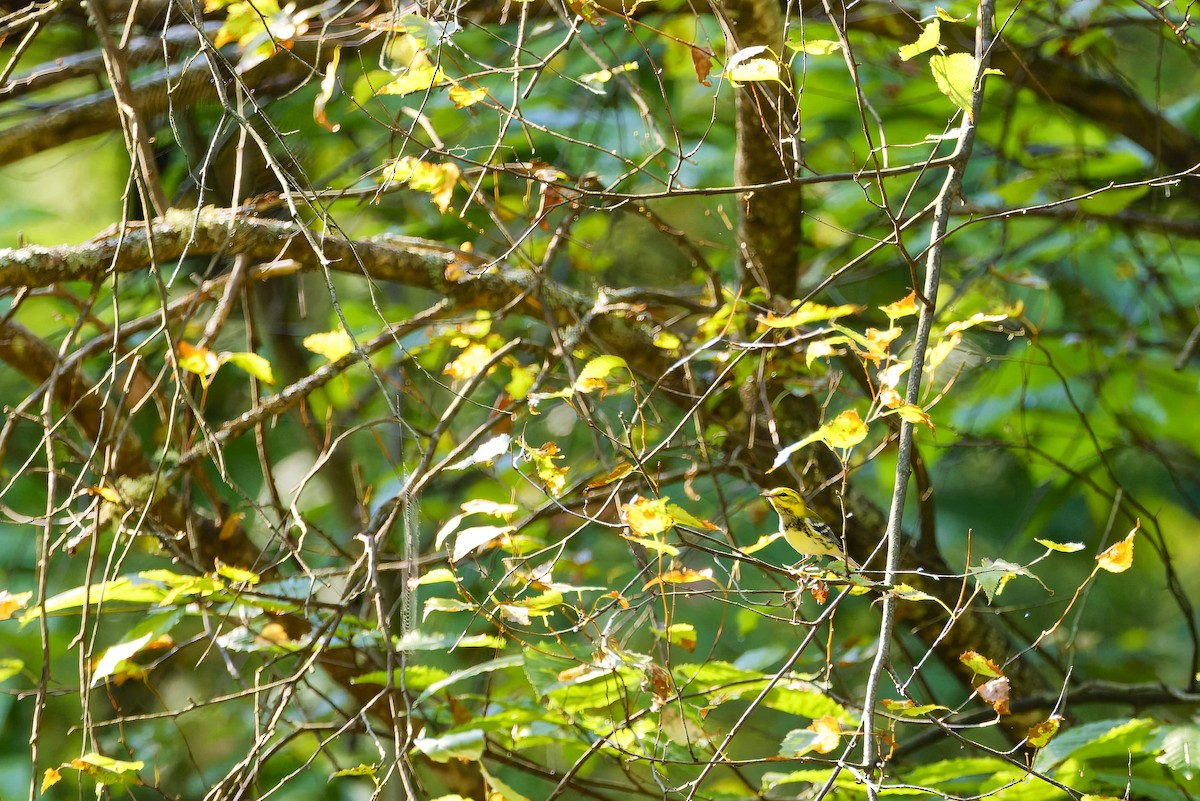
[1119,557]
[980,665]
[11,602]
[333,345]
[955,75]
[808,313]
[931,37]
[646,517]
[253,364]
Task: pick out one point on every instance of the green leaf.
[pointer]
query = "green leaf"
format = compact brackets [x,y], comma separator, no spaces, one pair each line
[1181,750]
[362,769]
[818,776]
[426,641]
[134,641]
[812,47]
[500,788]
[418,78]
[439,575]
[499,663]
[954,773]
[106,771]
[575,685]
[470,539]
[1104,738]
[125,589]
[906,592]
[993,575]
[803,699]
[466,745]
[413,678]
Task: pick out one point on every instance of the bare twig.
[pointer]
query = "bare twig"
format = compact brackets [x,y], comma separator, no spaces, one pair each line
[949,194]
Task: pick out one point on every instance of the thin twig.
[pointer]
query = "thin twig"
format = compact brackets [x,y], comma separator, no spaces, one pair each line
[951,189]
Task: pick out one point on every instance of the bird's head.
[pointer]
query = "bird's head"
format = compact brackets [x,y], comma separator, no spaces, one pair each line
[786,499]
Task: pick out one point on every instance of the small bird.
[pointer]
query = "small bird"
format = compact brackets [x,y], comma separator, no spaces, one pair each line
[803,529]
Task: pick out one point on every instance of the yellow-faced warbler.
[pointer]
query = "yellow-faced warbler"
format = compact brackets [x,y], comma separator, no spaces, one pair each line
[803,529]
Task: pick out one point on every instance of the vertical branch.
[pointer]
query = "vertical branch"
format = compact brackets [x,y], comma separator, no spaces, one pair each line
[133,123]
[951,190]
[768,142]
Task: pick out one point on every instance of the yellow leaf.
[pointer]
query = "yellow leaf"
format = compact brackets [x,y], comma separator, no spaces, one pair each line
[418,78]
[943,14]
[955,75]
[462,97]
[808,313]
[655,545]
[50,778]
[1119,557]
[328,84]
[666,340]
[931,37]
[470,362]
[909,709]
[251,363]
[1061,547]
[743,66]
[891,398]
[980,665]
[762,542]
[904,307]
[821,349]
[829,734]
[333,345]
[200,361]
[683,635]
[915,415]
[1040,734]
[680,577]
[236,574]
[974,320]
[11,602]
[879,341]
[815,47]
[844,431]
[438,180]
[646,518]
[604,76]
[595,373]
[553,476]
